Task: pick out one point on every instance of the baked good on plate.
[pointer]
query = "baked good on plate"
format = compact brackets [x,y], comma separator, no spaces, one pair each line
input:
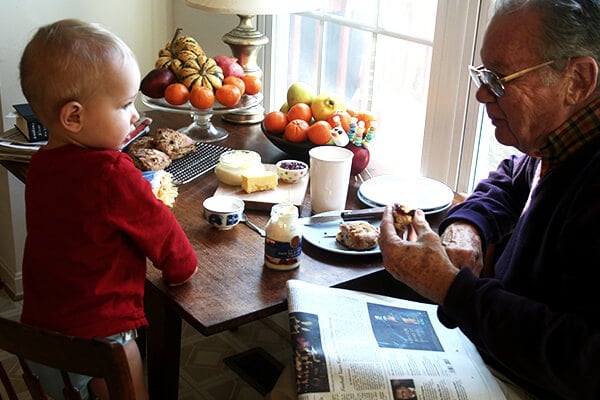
[402,218]
[173,143]
[358,235]
[145,142]
[150,159]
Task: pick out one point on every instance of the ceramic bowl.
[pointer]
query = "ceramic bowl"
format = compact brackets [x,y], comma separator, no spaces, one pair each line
[223,212]
[291,171]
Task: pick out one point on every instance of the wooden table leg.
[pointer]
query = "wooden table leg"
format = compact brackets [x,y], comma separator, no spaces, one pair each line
[163,346]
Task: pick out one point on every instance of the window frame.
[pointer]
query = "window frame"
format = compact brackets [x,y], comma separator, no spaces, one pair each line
[451,134]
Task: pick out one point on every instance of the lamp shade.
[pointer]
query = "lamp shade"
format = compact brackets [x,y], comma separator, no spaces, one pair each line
[254,7]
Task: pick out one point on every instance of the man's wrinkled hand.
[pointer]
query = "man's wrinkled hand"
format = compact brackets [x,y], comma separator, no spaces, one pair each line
[463,246]
[420,262]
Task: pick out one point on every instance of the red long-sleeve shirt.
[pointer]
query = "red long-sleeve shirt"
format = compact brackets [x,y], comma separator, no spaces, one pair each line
[91,222]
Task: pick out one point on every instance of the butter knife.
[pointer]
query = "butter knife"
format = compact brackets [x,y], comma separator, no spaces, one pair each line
[346,215]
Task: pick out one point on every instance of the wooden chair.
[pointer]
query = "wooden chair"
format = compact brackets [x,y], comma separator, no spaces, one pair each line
[96,357]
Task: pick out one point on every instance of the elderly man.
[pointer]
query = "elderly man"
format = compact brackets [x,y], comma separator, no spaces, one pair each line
[536,318]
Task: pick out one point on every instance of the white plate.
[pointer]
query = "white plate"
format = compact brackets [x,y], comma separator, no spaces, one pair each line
[372,204]
[414,192]
[323,236]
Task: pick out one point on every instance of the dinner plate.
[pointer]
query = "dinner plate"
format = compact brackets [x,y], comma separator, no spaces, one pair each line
[323,236]
[426,194]
[372,204]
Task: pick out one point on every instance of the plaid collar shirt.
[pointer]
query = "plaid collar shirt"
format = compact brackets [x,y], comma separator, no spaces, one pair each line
[564,141]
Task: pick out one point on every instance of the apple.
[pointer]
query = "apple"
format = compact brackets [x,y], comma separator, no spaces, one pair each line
[230,66]
[361,158]
[326,104]
[156,81]
[299,92]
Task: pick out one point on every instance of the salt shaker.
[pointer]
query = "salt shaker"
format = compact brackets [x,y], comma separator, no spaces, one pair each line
[283,243]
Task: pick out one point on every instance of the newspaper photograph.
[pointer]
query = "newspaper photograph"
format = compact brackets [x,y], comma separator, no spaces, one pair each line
[354,345]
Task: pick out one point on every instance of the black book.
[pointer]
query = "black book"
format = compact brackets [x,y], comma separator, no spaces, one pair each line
[29,125]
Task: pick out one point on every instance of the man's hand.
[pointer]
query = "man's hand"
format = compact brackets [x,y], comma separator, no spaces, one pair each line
[463,245]
[421,262]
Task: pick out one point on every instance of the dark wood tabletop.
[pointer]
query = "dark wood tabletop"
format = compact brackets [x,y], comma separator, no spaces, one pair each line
[232,287]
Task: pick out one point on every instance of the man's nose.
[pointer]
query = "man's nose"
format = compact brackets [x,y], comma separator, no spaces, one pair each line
[485,95]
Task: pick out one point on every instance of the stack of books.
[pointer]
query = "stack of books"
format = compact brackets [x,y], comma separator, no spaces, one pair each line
[20,142]
[29,125]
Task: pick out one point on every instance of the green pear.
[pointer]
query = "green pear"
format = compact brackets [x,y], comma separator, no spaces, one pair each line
[299,92]
[284,107]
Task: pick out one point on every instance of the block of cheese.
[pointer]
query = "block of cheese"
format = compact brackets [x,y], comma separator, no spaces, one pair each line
[259,181]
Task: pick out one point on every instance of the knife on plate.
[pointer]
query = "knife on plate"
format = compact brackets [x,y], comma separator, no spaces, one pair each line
[346,215]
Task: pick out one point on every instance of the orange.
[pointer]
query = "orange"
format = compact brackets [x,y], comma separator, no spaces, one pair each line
[228,95]
[367,117]
[234,80]
[176,94]
[253,84]
[202,97]
[351,112]
[300,111]
[275,122]
[296,131]
[319,132]
[344,119]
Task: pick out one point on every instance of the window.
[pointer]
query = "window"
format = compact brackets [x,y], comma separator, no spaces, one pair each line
[377,56]
[406,60]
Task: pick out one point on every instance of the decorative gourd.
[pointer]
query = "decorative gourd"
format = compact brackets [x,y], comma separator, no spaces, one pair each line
[184,56]
[188,43]
[178,51]
[202,71]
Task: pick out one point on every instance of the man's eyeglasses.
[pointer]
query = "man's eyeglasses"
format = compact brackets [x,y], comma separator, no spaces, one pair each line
[495,83]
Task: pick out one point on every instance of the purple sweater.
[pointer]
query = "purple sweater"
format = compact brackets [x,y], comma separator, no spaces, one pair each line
[538,319]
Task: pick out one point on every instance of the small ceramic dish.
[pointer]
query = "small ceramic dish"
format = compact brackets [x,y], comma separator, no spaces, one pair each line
[291,171]
[223,212]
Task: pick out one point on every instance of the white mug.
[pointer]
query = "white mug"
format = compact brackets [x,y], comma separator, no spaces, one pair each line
[329,177]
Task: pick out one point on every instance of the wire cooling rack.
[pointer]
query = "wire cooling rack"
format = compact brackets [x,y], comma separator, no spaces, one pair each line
[193,165]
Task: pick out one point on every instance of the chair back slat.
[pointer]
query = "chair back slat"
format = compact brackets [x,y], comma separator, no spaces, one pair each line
[8,387]
[96,357]
[33,383]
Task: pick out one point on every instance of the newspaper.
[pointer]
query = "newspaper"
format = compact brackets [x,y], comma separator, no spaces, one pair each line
[15,147]
[352,345]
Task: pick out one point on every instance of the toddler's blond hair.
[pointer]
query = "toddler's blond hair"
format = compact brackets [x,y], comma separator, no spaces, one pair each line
[68,60]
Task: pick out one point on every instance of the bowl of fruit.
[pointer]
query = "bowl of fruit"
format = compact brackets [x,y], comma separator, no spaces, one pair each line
[296,149]
[307,120]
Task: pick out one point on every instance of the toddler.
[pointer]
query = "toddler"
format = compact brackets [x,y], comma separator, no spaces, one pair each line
[92,219]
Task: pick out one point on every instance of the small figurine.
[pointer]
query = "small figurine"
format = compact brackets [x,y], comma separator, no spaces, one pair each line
[352,128]
[339,136]
[358,136]
[370,134]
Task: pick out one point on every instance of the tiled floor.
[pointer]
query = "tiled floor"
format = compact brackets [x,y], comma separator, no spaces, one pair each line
[203,374]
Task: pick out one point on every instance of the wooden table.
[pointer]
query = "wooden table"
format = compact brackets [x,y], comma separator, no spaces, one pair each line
[232,287]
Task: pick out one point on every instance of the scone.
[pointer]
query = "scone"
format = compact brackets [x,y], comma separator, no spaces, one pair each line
[150,159]
[358,235]
[402,218]
[145,142]
[173,143]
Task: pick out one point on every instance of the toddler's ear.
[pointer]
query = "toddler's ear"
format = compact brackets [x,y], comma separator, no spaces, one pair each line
[70,116]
